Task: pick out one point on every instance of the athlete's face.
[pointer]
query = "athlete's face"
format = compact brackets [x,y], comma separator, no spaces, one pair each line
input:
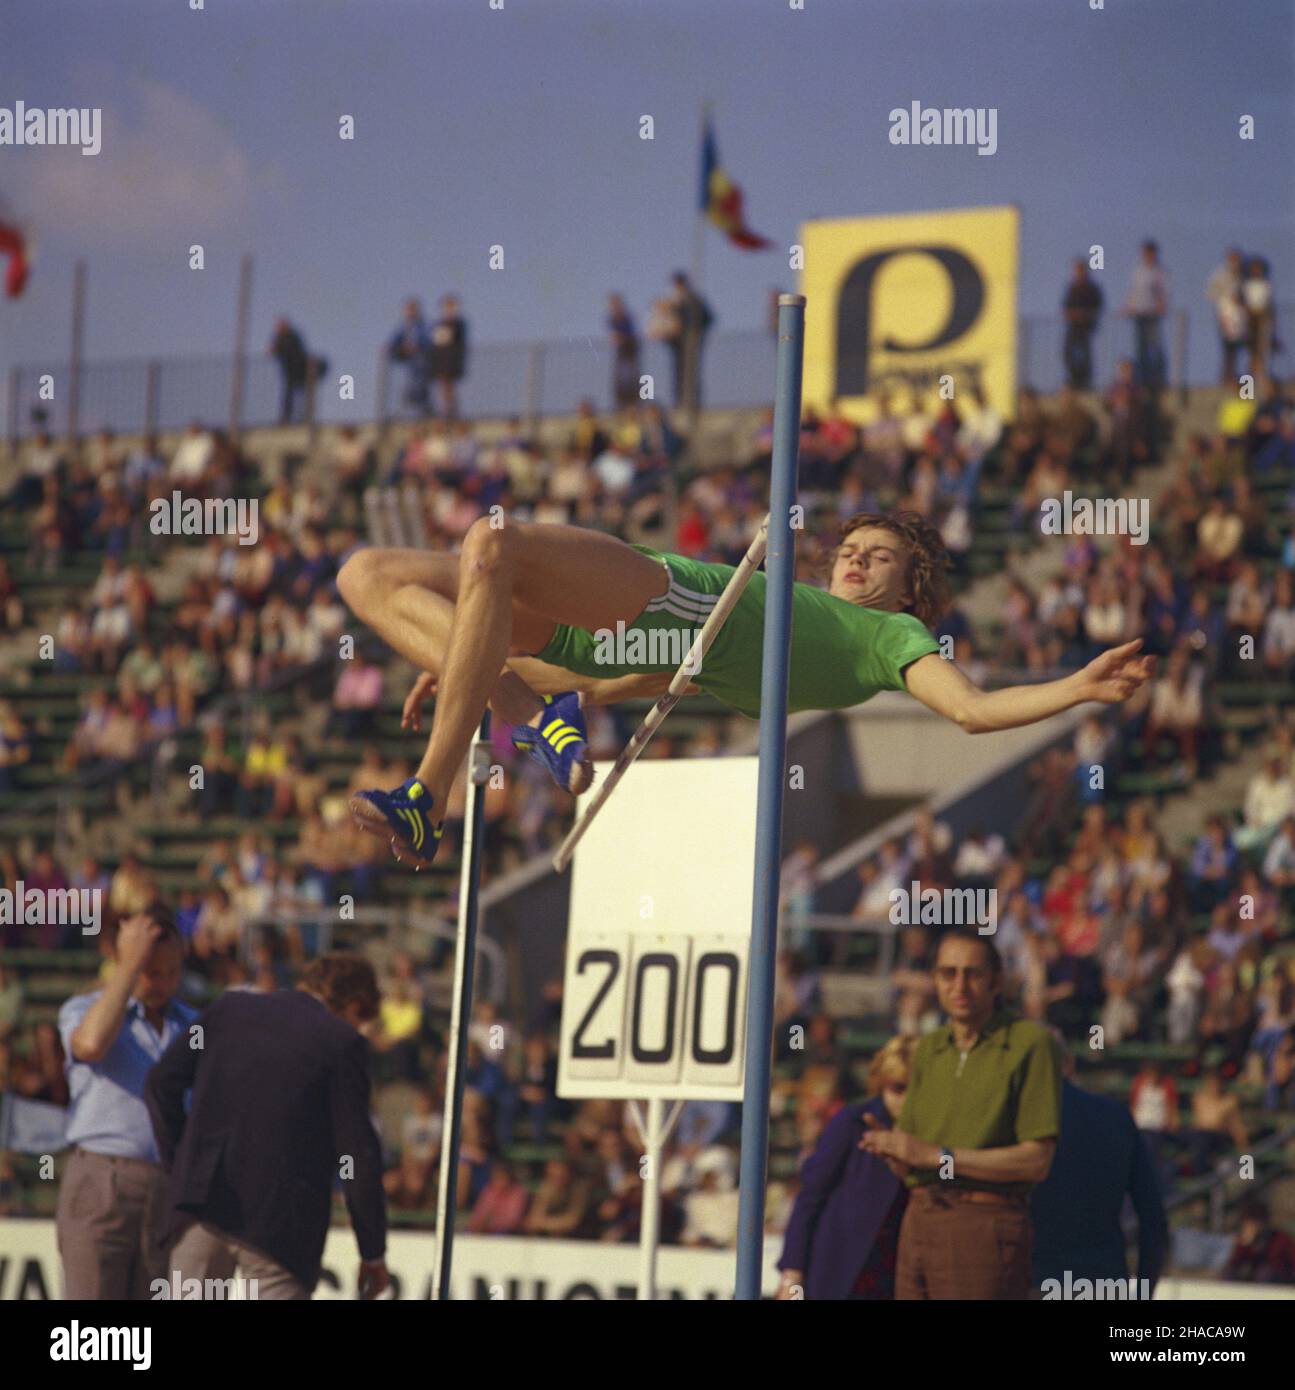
[871,570]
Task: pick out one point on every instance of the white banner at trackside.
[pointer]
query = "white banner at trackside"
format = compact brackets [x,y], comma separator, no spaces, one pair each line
[505,1267]
[500,1267]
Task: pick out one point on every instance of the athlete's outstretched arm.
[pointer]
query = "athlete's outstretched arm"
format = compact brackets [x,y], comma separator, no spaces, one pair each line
[1109,678]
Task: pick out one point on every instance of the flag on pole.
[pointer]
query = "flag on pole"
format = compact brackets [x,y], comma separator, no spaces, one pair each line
[15,247]
[721,198]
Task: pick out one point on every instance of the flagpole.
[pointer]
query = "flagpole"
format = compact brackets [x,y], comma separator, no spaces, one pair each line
[698,268]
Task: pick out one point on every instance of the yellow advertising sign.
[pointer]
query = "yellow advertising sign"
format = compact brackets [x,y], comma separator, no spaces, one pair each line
[895,303]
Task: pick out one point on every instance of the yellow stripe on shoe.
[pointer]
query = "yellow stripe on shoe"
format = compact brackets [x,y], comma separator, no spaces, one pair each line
[416,823]
[561,734]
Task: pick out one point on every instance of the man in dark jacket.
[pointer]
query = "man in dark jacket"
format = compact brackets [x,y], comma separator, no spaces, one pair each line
[1082,307]
[448,358]
[411,343]
[695,320]
[1101,1158]
[280,1111]
[288,349]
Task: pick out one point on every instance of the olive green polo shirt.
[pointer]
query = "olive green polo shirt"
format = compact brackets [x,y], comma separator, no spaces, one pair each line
[1005,1090]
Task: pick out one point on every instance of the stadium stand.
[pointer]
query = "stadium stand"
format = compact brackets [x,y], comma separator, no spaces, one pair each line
[1158,904]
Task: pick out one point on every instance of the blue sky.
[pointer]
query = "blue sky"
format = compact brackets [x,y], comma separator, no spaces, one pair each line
[520,127]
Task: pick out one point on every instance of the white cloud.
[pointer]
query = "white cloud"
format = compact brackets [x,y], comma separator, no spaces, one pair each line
[167,167]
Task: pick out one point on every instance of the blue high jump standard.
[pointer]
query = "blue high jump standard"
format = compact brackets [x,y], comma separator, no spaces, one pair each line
[780,570]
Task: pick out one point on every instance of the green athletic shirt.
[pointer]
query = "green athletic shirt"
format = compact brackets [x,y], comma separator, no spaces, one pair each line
[841,654]
[1004,1091]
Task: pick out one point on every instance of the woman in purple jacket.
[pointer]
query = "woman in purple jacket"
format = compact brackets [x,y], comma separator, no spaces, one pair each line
[843,1235]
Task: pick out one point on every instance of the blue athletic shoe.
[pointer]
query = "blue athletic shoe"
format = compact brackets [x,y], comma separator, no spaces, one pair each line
[404,817]
[561,742]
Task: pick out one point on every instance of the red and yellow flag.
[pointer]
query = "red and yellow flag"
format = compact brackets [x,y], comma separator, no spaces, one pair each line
[721,199]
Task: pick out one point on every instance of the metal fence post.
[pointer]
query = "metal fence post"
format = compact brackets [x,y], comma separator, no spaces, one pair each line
[15,386]
[152,394]
[74,361]
[240,347]
[1180,354]
[381,387]
[534,385]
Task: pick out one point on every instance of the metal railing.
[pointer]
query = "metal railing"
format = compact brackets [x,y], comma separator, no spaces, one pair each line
[1193,355]
[1216,1188]
[391,927]
[524,380]
[503,380]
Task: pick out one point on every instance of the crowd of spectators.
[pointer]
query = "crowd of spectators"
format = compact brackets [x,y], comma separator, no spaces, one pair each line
[246,616]
[1108,932]
[573,1172]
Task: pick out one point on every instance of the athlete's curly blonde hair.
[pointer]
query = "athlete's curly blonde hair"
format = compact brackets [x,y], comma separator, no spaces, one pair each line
[928,560]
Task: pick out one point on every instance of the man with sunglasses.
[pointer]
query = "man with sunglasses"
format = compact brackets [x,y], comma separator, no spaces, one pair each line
[977,1132]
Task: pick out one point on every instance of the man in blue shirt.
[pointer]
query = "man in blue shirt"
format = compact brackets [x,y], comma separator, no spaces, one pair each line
[111,1206]
[1147,304]
[411,344]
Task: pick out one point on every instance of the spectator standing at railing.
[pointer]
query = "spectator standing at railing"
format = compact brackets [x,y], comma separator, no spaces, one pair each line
[411,343]
[288,349]
[1257,296]
[1224,292]
[625,352]
[448,356]
[1147,304]
[664,326]
[1082,307]
[694,321]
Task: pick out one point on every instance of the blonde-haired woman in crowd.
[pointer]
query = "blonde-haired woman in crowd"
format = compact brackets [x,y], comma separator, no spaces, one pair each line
[843,1235]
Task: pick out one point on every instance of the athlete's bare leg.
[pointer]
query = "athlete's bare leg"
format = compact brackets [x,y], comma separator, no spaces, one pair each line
[514,583]
[407,597]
